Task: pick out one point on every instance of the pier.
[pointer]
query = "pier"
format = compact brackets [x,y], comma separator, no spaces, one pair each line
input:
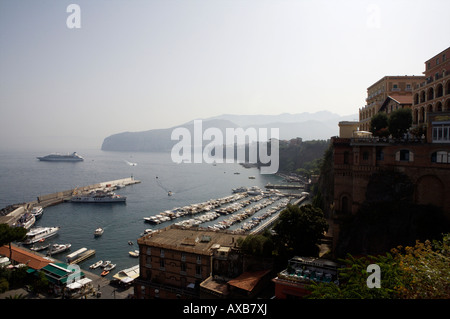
[17,210]
[83,257]
[270,186]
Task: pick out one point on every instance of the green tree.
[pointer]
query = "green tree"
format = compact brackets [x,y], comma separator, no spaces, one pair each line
[378,124]
[257,245]
[299,230]
[399,122]
[9,234]
[418,272]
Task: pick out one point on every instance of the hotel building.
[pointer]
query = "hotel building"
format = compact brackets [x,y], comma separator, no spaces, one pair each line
[397,88]
[174,261]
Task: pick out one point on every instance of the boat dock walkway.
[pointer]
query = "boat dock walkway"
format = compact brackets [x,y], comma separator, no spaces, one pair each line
[271,186]
[266,224]
[86,255]
[60,197]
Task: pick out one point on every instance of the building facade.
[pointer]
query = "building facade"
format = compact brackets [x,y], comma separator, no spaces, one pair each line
[432,95]
[396,86]
[174,261]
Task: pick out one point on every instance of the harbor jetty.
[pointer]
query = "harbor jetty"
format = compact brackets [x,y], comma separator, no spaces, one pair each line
[13,212]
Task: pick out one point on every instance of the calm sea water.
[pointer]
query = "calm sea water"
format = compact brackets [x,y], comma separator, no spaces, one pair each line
[23,178]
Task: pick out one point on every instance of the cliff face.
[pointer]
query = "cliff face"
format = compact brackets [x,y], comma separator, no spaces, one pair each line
[156,140]
[308,126]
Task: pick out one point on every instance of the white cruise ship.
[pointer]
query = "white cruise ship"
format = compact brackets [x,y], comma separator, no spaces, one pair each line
[38,233]
[74,157]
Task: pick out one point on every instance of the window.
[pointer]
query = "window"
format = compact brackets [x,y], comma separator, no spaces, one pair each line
[198,271]
[365,156]
[162,253]
[161,263]
[437,60]
[380,155]
[441,133]
[199,259]
[183,256]
[346,157]
[404,156]
[183,267]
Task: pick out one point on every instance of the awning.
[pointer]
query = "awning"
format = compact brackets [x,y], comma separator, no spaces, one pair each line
[78,284]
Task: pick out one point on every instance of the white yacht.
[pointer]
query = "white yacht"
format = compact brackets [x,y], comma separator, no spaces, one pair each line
[74,157]
[39,233]
[58,248]
[26,221]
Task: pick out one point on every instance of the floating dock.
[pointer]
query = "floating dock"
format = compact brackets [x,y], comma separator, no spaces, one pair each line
[86,255]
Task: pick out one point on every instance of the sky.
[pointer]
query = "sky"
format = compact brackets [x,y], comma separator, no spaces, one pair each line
[70,78]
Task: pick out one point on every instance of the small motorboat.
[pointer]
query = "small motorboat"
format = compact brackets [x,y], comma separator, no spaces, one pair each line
[96,265]
[109,267]
[98,232]
[39,248]
[134,253]
[104,273]
[58,248]
[105,263]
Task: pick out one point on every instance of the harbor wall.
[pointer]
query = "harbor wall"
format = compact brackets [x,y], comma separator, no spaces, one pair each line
[60,197]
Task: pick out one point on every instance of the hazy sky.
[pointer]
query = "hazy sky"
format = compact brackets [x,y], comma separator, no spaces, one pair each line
[139,65]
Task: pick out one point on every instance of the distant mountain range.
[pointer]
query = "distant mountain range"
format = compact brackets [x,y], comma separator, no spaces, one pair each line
[308,126]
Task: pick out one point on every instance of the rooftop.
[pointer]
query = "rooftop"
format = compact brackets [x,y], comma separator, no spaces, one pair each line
[199,241]
[22,256]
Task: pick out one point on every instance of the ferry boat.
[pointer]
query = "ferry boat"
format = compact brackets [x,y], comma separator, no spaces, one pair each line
[74,157]
[40,233]
[99,197]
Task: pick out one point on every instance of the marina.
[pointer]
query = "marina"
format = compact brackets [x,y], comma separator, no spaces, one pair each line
[202,196]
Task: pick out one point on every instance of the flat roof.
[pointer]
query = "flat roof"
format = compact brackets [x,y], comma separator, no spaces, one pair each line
[198,240]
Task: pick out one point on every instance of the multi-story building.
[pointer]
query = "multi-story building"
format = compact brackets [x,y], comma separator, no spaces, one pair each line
[397,87]
[174,261]
[433,93]
[424,160]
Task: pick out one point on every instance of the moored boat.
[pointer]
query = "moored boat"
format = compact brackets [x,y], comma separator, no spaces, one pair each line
[40,233]
[109,267]
[39,248]
[96,265]
[26,221]
[58,248]
[37,211]
[99,197]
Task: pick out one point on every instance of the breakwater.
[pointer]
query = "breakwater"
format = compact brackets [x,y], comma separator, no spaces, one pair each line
[14,212]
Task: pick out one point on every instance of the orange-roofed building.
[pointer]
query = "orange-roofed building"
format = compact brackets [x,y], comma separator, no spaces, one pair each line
[23,256]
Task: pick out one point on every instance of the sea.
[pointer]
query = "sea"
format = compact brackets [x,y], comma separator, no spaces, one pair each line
[23,178]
